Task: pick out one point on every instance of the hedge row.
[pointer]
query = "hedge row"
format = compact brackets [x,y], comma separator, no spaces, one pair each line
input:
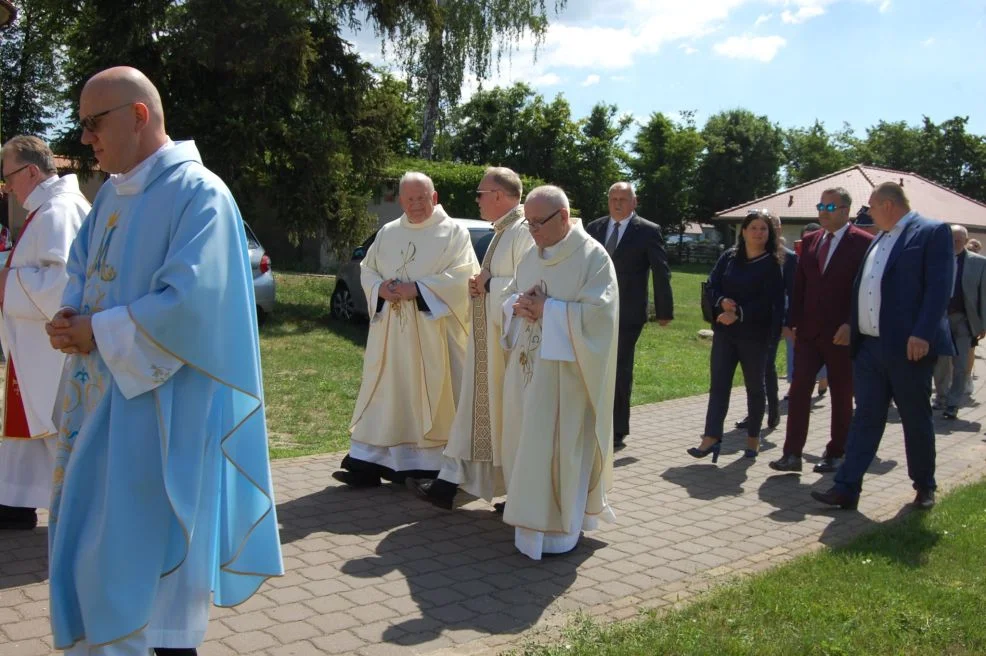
[456,183]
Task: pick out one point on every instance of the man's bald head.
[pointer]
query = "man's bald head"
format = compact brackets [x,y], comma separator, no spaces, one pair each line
[124,84]
[122,118]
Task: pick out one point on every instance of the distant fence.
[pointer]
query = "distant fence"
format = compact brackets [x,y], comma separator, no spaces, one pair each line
[694,253]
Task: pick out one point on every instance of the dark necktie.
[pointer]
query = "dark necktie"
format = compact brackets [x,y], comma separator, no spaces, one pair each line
[823,251]
[614,239]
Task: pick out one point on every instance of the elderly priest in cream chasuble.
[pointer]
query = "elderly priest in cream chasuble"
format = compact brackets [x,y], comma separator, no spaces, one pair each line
[415,276]
[560,327]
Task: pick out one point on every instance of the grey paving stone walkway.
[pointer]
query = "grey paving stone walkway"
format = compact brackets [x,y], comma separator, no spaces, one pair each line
[380,572]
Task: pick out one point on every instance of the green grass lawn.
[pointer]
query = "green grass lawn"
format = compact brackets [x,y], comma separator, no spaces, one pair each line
[312,364]
[915,586]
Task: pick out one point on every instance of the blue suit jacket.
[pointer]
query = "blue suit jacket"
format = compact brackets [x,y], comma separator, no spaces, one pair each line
[916,286]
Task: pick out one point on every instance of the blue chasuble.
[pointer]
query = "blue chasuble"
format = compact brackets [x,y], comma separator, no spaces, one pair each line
[178,475]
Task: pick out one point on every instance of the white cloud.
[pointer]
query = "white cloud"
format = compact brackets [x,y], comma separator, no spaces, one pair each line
[884,6]
[688,49]
[589,81]
[930,41]
[546,80]
[760,48]
[762,18]
[803,14]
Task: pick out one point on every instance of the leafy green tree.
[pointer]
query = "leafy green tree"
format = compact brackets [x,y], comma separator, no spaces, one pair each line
[742,160]
[599,160]
[813,152]
[31,69]
[665,166]
[443,40]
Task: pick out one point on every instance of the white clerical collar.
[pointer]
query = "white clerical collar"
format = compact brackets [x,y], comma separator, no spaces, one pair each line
[133,181]
[40,194]
[549,252]
[841,231]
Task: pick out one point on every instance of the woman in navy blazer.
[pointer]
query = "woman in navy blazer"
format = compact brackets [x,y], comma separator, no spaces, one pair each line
[746,288]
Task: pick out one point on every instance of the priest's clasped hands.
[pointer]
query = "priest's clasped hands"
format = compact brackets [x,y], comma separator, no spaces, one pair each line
[477,284]
[71,332]
[395,291]
[530,304]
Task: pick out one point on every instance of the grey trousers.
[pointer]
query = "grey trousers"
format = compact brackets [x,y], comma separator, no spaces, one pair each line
[951,372]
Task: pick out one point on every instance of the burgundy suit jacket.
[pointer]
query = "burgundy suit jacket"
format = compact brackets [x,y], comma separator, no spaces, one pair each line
[823,302]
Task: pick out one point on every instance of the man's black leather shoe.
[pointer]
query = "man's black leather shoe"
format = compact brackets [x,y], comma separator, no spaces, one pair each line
[925,500]
[618,442]
[356,479]
[835,498]
[787,463]
[436,491]
[827,464]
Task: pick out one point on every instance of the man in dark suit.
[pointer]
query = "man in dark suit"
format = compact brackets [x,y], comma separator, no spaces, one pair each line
[965,318]
[636,247]
[898,329]
[818,320]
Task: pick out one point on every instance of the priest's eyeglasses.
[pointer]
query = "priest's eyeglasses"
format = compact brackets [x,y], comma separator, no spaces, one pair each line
[91,122]
[534,226]
[6,178]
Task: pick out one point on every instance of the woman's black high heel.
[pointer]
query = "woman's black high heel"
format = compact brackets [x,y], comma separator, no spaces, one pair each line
[696,452]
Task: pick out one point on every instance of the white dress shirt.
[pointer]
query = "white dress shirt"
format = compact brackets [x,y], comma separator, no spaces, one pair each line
[617,225]
[869,301]
[836,238]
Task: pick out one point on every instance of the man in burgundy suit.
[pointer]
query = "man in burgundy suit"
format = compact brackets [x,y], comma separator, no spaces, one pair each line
[819,322]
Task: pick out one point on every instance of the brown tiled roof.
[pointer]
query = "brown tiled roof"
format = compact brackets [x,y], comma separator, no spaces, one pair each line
[929,198]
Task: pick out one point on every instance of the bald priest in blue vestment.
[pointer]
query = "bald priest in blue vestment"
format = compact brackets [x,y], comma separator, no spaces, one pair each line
[162,492]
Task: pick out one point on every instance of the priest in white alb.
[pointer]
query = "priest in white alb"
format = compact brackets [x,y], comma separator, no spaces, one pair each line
[416,279]
[560,327]
[473,455]
[31,286]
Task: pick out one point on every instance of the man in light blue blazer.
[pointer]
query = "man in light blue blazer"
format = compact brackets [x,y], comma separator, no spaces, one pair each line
[899,328]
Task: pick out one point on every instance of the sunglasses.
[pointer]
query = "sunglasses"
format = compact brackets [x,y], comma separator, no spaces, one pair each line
[829,207]
[91,122]
[480,192]
[534,226]
[7,177]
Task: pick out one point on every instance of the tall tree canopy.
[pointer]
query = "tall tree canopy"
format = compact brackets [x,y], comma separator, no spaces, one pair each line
[440,41]
[742,160]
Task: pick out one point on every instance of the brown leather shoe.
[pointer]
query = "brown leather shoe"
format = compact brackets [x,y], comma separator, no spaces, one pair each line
[835,498]
[925,500]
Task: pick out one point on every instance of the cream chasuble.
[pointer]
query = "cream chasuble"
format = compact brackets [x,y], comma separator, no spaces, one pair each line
[413,362]
[33,294]
[558,395]
[473,455]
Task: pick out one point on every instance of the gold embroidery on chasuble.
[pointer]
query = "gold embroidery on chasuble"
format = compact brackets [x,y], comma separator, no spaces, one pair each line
[482,428]
[398,307]
[99,270]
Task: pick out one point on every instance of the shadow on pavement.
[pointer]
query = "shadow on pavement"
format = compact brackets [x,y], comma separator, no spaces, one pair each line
[23,557]
[706,481]
[464,573]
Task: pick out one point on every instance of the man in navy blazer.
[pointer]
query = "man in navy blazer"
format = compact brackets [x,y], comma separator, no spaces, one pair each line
[898,329]
[818,319]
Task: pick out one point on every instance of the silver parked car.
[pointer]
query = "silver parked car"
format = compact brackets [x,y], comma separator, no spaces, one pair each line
[348,300]
[263,275]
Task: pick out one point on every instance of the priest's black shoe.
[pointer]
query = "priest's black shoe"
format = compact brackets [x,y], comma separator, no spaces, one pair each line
[499,507]
[835,498]
[18,519]
[618,442]
[356,479]
[925,500]
[827,464]
[436,491]
[787,463]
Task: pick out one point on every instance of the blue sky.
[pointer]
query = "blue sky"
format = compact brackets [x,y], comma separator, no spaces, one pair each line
[794,60]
